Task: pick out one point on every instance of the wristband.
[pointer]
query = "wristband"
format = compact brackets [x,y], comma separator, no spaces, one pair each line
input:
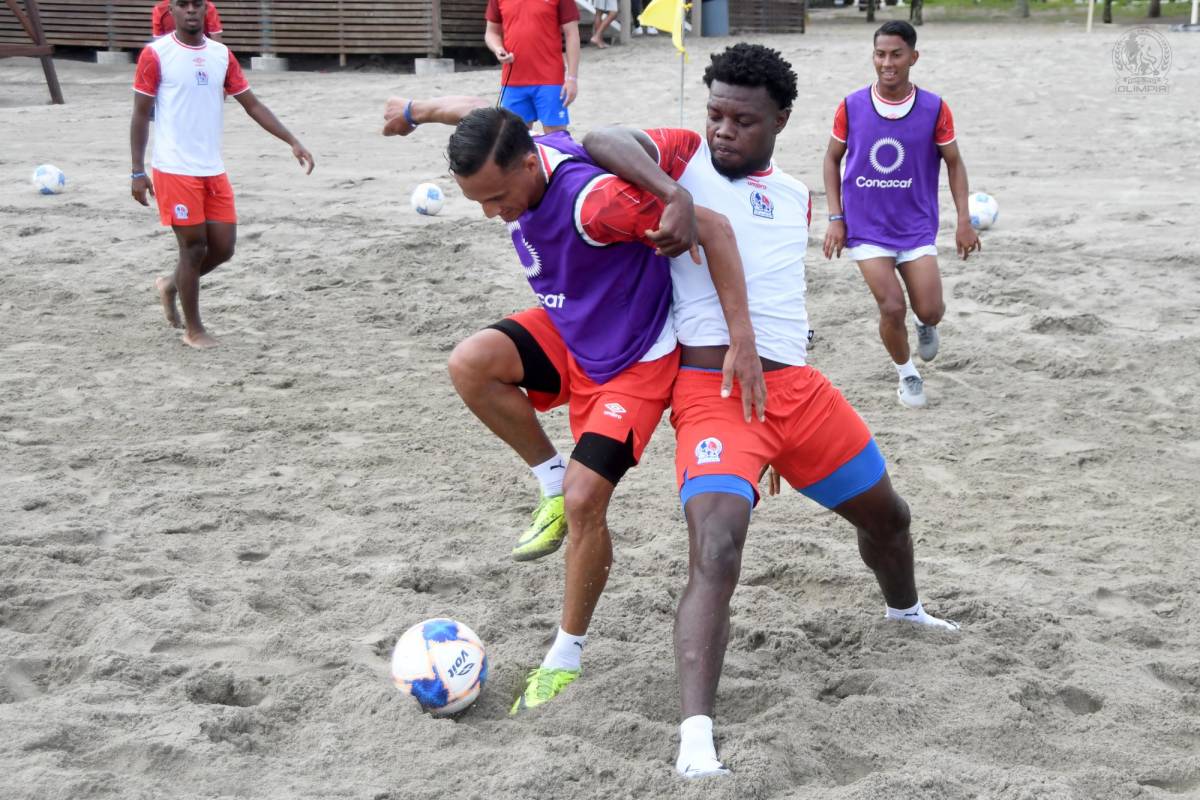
[134,176]
[408,117]
[571,78]
[836,217]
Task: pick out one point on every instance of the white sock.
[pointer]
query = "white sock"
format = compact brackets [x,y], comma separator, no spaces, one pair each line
[917,616]
[566,652]
[907,370]
[550,475]
[697,753]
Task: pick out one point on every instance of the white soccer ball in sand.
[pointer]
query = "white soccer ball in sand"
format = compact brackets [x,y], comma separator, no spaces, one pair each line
[442,664]
[428,199]
[49,179]
[983,209]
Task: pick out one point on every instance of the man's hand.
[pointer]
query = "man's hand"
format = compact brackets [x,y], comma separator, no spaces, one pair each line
[140,187]
[835,238]
[304,157]
[396,124]
[677,229]
[504,56]
[742,363]
[966,239]
[772,481]
[570,90]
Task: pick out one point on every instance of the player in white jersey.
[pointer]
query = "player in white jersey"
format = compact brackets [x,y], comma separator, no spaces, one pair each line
[810,434]
[184,77]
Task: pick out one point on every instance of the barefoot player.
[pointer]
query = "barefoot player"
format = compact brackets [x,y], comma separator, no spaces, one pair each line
[184,77]
[884,210]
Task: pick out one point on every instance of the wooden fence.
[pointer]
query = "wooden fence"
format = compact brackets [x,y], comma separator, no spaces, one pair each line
[339,27]
[764,16]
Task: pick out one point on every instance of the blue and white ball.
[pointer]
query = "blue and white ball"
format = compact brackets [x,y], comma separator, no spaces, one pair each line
[49,179]
[442,664]
[428,199]
[984,211]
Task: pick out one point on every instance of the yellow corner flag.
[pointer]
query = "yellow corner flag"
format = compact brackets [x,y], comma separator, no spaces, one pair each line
[666,15]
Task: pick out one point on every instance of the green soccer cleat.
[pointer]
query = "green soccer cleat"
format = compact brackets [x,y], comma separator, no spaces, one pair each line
[547,532]
[542,685]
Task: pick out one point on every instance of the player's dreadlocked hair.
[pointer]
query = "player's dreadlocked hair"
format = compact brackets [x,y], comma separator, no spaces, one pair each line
[754,65]
[494,132]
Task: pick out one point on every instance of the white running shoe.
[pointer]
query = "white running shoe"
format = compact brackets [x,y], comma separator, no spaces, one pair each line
[638,31]
[652,31]
[927,341]
[919,617]
[705,768]
[911,392]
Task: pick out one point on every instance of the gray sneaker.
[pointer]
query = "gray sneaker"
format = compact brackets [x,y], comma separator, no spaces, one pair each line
[911,392]
[927,341]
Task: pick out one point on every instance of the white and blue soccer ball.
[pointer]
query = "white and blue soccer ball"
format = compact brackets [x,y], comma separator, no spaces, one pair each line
[442,664]
[983,210]
[49,179]
[428,199]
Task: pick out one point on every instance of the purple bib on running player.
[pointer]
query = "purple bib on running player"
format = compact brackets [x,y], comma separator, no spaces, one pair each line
[890,184]
[608,302]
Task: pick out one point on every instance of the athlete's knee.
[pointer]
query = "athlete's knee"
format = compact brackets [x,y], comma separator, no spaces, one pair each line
[193,251]
[892,309]
[219,253]
[930,313]
[890,524]
[473,361]
[718,556]
[585,504]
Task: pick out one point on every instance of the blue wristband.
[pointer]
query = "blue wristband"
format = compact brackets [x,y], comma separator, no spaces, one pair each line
[836,217]
[135,175]
[408,117]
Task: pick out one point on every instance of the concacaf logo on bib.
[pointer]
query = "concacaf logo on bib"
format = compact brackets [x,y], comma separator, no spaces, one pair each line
[708,451]
[531,261]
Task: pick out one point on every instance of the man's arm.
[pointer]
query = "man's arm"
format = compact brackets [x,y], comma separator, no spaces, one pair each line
[139,135]
[631,155]
[259,112]
[571,80]
[493,37]
[965,237]
[835,234]
[402,115]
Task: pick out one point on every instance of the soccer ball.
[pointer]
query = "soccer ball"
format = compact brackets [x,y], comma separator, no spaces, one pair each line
[48,179]
[442,664]
[984,211]
[427,199]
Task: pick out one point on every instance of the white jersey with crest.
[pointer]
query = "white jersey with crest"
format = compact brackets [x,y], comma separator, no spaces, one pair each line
[769,212]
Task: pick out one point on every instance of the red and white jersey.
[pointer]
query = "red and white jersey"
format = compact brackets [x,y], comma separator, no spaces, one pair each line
[769,212]
[188,85]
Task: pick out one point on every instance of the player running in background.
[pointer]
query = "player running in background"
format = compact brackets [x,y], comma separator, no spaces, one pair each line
[162,21]
[884,209]
[184,77]
[600,341]
[811,435]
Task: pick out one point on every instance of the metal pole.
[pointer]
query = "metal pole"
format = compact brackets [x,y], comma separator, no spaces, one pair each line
[625,17]
[1091,13]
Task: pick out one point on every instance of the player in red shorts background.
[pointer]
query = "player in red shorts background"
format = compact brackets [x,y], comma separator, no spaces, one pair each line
[184,77]
[810,434]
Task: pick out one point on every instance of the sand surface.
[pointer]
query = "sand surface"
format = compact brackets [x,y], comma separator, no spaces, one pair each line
[205,557]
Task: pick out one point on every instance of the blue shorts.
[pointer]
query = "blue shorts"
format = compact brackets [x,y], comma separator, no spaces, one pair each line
[532,103]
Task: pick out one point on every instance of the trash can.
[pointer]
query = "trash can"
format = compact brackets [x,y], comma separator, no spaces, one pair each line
[716,18]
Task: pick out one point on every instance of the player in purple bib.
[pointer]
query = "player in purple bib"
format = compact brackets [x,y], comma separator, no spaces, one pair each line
[601,341]
[883,207]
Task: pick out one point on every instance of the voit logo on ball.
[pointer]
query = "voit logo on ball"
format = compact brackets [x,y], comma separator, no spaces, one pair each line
[1142,58]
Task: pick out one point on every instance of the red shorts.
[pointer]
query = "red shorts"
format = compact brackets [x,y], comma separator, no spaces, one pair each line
[631,404]
[192,200]
[810,432]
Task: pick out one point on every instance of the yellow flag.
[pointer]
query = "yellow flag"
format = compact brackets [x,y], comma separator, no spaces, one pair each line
[666,15]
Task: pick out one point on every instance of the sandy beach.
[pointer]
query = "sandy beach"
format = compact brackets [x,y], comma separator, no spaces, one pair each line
[205,557]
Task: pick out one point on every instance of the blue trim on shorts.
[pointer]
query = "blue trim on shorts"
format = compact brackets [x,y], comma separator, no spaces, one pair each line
[534,103]
[722,484]
[850,479]
[698,369]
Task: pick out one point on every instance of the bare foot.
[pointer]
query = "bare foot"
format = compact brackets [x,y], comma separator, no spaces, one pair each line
[167,293]
[200,340]
[599,42]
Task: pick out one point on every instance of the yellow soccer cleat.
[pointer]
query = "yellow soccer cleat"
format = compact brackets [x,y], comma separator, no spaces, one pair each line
[546,533]
[542,685]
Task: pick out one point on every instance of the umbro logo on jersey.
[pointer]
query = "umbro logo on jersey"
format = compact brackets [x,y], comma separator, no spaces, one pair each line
[198,61]
[761,205]
[201,78]
[614,410]
[709,451]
